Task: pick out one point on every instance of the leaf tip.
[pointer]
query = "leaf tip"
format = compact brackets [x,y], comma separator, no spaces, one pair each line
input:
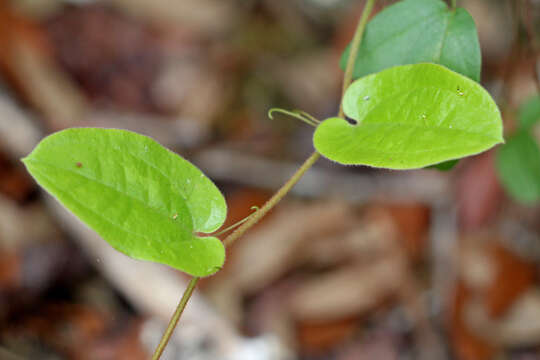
[500,140]
[26,160]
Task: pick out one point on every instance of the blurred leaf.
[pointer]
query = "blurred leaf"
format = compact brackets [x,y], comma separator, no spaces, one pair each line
[518,165]
[444,166]
[529,112]
[146,201]
[409,117]
[415,31]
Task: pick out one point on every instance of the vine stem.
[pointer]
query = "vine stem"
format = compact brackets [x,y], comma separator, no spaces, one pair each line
[175,318]
[355,46]
[454,4]
[252,220]
[276,198]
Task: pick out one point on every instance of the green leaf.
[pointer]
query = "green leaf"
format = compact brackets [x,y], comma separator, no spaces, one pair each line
[518,165]
[415,31]
[409,117]
[143,199]
[444,166]
[529,112]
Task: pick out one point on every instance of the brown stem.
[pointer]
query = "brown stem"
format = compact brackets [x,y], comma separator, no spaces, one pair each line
[175,318]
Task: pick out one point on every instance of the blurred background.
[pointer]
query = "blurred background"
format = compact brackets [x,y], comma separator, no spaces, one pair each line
[356,263]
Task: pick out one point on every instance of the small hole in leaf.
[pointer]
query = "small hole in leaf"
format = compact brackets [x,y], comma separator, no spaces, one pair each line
[351,121]
[175,216]
[366,98]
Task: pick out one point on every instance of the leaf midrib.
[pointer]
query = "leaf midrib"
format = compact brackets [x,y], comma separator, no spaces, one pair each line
[378,150]
[65,193]
[125,230]
[127,195]
[183,194]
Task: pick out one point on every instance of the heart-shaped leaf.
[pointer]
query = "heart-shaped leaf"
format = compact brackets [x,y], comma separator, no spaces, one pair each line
[518,165]
[415,31]
[143,199]
[409,117]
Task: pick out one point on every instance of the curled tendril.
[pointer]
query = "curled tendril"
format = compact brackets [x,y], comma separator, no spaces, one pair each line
[297,114]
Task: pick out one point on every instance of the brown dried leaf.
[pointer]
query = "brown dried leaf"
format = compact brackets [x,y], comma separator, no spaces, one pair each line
[467,344]
[513,277]
[317,337]
[347,292]
[271,250]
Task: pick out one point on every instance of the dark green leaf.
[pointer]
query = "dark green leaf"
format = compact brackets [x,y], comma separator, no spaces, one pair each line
[444,166]
[529,112]
[518,165]
[415,31]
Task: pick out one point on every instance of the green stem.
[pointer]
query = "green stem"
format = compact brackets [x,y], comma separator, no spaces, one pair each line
[276,198]
[175,318]
[454,4]
[355,46]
